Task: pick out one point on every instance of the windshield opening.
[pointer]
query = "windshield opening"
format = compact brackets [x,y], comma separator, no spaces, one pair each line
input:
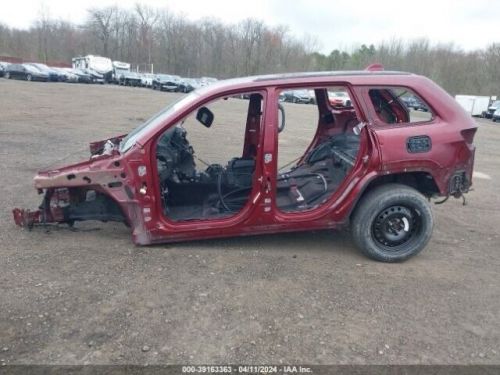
[135,134]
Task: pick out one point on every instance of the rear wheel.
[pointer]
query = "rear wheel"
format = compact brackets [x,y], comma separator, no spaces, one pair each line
[392,223]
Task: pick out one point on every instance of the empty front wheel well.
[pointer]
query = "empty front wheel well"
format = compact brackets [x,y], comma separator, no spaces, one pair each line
[92,203]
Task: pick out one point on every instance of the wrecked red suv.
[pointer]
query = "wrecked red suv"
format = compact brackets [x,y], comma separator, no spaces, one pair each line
[372,163]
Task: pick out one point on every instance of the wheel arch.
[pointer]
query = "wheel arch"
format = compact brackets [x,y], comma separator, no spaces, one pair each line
[423,182]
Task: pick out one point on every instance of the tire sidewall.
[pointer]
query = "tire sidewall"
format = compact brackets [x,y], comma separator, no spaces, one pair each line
[373,205]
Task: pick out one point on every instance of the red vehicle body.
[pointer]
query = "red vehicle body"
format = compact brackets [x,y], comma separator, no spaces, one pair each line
[432,159]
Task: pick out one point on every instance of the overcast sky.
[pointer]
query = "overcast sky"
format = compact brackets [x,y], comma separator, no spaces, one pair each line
[469,24]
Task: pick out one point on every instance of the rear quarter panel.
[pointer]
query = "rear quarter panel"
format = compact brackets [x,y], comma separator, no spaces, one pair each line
[449,150]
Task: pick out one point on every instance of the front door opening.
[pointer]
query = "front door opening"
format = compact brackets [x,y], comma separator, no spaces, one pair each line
[317,148]
[207,162]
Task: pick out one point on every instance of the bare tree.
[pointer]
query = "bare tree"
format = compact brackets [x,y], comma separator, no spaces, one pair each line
[147,19]
[42,27]
[100,22]
[209,47]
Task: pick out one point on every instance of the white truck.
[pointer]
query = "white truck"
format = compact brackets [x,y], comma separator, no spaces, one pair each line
[475,105]
[100,68]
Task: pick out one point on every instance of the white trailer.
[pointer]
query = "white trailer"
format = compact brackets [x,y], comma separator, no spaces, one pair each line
[97,66]
[119,68]
[472,104]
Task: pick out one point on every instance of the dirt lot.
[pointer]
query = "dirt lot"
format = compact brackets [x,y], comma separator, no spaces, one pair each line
[91,296]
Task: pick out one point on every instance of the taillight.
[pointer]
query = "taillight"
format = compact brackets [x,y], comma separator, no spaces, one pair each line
[468,135]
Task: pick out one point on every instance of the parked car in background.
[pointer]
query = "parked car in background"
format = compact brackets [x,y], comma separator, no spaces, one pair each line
[83,76]
[339,99]
[67,74]
[26,72]
[412,102]
[205,81]
[3,66]
[165,82]
[297,96]
[496,115]
[188,84]
[54,76]
[129,78]
[491,109]
[407,101]
[420,106]
[146,79]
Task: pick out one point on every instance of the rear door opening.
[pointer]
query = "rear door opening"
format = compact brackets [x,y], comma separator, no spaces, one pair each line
[317,149]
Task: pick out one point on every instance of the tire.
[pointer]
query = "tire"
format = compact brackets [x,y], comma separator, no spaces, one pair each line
[7,75]
[29,77]
[392,223]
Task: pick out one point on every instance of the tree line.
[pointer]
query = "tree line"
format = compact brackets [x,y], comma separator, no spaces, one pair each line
[176,45]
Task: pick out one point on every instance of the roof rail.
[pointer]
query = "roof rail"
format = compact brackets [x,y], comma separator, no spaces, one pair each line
[376,67]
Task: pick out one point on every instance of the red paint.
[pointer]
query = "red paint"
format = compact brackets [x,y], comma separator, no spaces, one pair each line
[131,180]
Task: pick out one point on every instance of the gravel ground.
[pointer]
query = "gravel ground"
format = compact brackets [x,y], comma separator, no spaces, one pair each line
[91,296]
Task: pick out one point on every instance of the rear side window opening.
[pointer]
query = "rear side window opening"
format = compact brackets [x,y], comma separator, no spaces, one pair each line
[399,105]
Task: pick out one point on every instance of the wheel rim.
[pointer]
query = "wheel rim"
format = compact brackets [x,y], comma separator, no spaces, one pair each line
[396,226]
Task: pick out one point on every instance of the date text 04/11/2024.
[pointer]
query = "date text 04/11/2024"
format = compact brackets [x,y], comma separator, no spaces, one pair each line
[246,369]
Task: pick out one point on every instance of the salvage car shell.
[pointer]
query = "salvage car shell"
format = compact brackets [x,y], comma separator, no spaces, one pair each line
[130,178]
[25,71]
